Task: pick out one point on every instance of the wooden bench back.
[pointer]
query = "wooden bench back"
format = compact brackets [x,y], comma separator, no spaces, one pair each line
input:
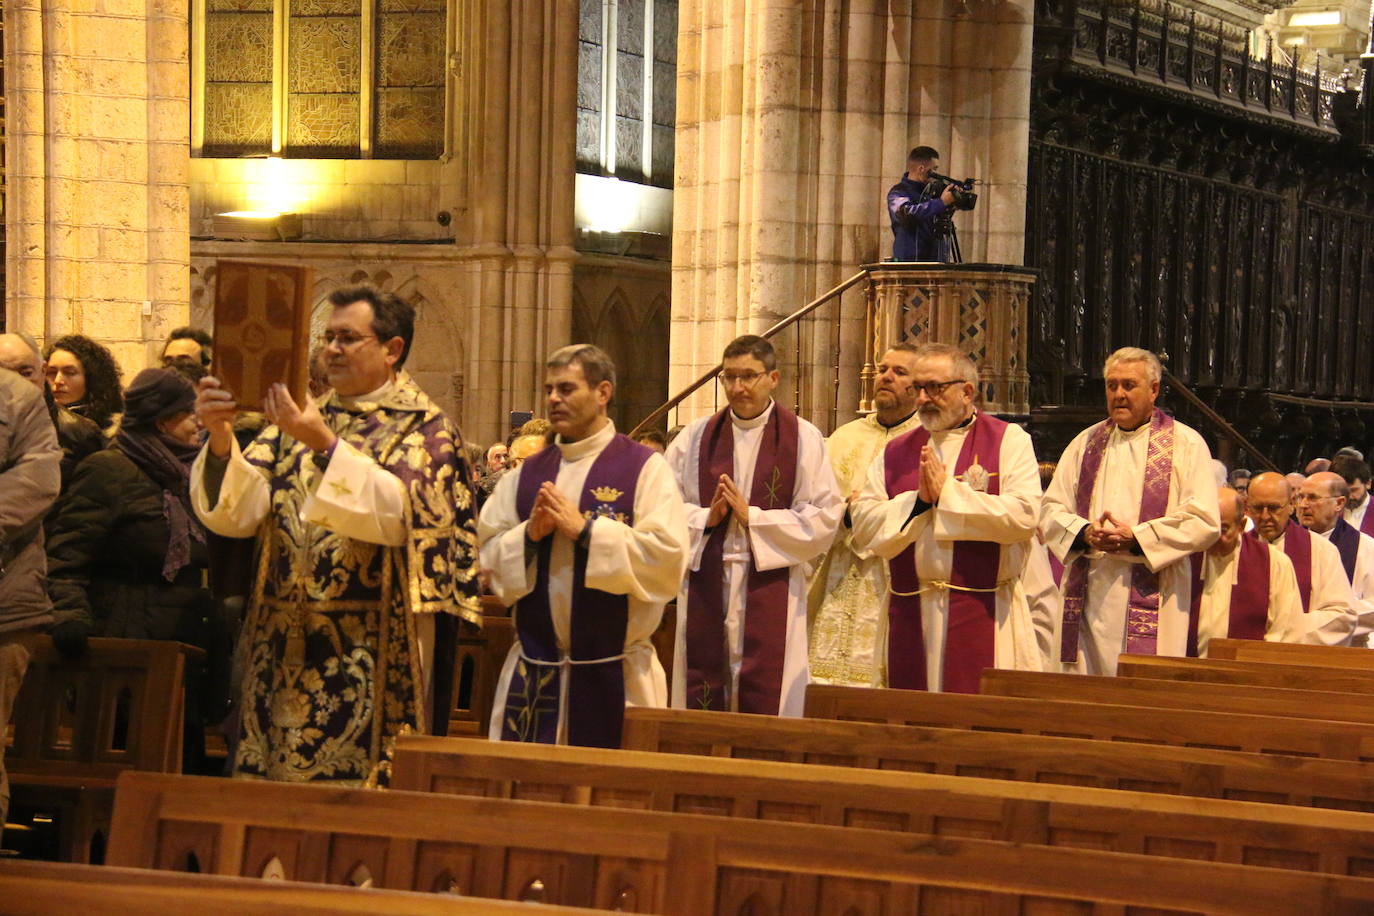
[1203,772]
[477,667]
[1248,673]
[43,888]
[1100,718]
[1291,653]
[673,864]
[1268,701]
[118,707]
[1042,815]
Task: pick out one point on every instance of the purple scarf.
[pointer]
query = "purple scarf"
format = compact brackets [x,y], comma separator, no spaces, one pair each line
[1248,615]
[168,462]
[1347,541]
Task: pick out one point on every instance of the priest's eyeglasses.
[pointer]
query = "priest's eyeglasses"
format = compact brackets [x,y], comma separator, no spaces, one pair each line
[346,340]
[747,379]
[935,389]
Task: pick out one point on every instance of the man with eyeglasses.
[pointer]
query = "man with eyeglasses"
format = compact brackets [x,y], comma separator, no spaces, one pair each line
[1241,587]
[1323,589]
[1321,510]
[848,594]
[363,508]
[952,507]
[1132,497]
[761,504]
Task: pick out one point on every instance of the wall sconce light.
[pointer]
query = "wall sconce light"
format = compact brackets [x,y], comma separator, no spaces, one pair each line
[257,225]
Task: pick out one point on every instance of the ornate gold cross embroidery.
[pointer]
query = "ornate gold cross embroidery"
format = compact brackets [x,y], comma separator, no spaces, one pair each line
[341,488]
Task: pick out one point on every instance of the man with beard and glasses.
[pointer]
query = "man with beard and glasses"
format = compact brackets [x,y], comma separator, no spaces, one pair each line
[849,591]
[952,507]
[761,504]
[1132,497]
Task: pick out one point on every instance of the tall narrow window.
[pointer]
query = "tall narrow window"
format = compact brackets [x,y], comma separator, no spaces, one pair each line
[336,79]
[627,89]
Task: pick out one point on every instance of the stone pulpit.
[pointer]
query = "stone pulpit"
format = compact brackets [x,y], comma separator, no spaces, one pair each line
[980,308]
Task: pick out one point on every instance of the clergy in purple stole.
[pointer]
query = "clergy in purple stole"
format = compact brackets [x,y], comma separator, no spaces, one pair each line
[1321,509]
[588,540]
[1241,587]
[952,507]
[762,504]
[1324,593]
[1132,498]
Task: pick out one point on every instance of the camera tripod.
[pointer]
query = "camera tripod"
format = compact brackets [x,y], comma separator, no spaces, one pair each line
[946,233]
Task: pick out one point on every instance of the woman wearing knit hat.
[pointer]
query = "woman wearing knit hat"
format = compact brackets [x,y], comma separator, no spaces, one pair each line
[126,553]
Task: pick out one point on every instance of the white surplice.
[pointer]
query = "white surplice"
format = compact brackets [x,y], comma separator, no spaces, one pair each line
[1191,522]
[848,594]
[1046,604]
[644,561]
[885,527]
[1361,586]
[1284,622]
[774,538]
[1330,619]
[1354,515]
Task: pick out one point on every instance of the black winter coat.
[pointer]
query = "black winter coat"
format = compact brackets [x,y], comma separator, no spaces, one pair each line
[107,540]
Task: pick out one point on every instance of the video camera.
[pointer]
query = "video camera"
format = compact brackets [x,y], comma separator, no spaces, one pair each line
[964,197]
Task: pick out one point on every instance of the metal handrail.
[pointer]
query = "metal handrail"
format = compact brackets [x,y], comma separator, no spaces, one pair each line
[781,325]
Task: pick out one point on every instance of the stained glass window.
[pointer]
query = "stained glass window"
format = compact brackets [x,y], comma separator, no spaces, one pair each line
[626,93]
[286,77]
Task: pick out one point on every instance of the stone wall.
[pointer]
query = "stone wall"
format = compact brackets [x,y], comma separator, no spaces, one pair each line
[792,124]
[97,96]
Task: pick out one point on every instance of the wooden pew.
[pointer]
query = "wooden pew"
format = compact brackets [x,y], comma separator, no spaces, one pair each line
[476,668]
[1203,772]
[1042,815]
[1105,720]
[78,724]
[673,864]
[1248,673]
[43,888]
[1269,701]
[1288,653]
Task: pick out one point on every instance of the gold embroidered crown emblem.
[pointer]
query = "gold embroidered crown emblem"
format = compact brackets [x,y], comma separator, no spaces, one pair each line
[607,494]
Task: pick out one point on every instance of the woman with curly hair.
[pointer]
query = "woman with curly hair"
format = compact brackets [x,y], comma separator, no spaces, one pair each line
[84,378]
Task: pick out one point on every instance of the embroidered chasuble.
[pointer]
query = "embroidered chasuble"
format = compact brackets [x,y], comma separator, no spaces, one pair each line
[332,640]
[848,593]
[741,642]
[956,604]
[1157,481]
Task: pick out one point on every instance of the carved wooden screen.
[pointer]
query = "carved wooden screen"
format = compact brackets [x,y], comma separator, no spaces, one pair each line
[262,328]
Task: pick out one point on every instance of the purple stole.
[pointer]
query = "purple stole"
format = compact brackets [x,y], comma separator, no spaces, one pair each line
[595,690]
[1142,618]
[765,609]
[1248,616]
[1347,541]
[971,630]
[1297,544]
[1367,523]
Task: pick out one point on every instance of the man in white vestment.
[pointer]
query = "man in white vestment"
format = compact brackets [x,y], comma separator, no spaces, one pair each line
[588,540]
[849,592]
[761,504]
[1243,588]
[1321,510]
[1323,588]
[1132,497]
[952,506]
[1356,474]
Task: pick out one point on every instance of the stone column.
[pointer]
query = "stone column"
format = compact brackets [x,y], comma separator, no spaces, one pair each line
[793,122]
[515,151]
[97,93]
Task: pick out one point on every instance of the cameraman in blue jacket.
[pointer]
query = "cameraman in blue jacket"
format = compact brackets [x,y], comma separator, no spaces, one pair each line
[914,213]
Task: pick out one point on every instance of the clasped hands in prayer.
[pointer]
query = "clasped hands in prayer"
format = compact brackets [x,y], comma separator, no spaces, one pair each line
[727,500]
[1108,535]
[553,512]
